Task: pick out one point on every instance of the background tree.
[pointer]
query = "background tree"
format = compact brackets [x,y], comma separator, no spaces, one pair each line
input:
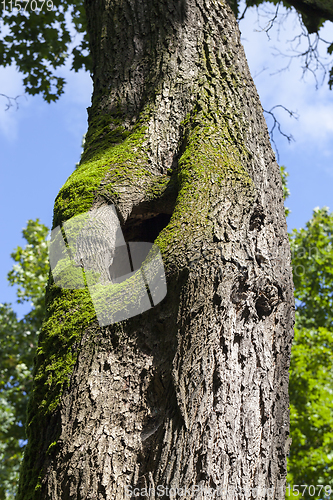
[311,376]
[18,341]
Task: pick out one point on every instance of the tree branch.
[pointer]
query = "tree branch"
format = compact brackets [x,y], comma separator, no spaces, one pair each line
[11,101]
[277,124]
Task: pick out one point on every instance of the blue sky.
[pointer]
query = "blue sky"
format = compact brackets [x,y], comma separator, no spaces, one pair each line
[40,143]
[309,158]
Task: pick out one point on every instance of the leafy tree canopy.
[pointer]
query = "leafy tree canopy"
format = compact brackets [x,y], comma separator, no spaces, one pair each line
[39,42]
[18,341]
[311,375]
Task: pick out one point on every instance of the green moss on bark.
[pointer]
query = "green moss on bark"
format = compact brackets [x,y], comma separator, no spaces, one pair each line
[68,314]
[209,158]
[123,160]
[70,311]
[115,157]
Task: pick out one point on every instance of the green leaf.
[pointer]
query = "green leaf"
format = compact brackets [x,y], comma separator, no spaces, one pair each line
[40,42]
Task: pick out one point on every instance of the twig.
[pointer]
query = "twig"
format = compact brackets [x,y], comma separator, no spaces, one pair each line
[277,124]
[12,100]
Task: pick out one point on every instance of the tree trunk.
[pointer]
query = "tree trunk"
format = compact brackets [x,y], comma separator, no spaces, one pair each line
[191,396]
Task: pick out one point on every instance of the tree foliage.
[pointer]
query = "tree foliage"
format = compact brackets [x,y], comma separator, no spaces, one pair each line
[40,42]
[286,192]
[311,375]
[18,341]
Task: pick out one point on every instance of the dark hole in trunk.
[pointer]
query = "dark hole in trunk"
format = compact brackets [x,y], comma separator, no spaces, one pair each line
[145,227]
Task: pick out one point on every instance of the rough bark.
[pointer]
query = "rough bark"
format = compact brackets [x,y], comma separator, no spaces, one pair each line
[194,392]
